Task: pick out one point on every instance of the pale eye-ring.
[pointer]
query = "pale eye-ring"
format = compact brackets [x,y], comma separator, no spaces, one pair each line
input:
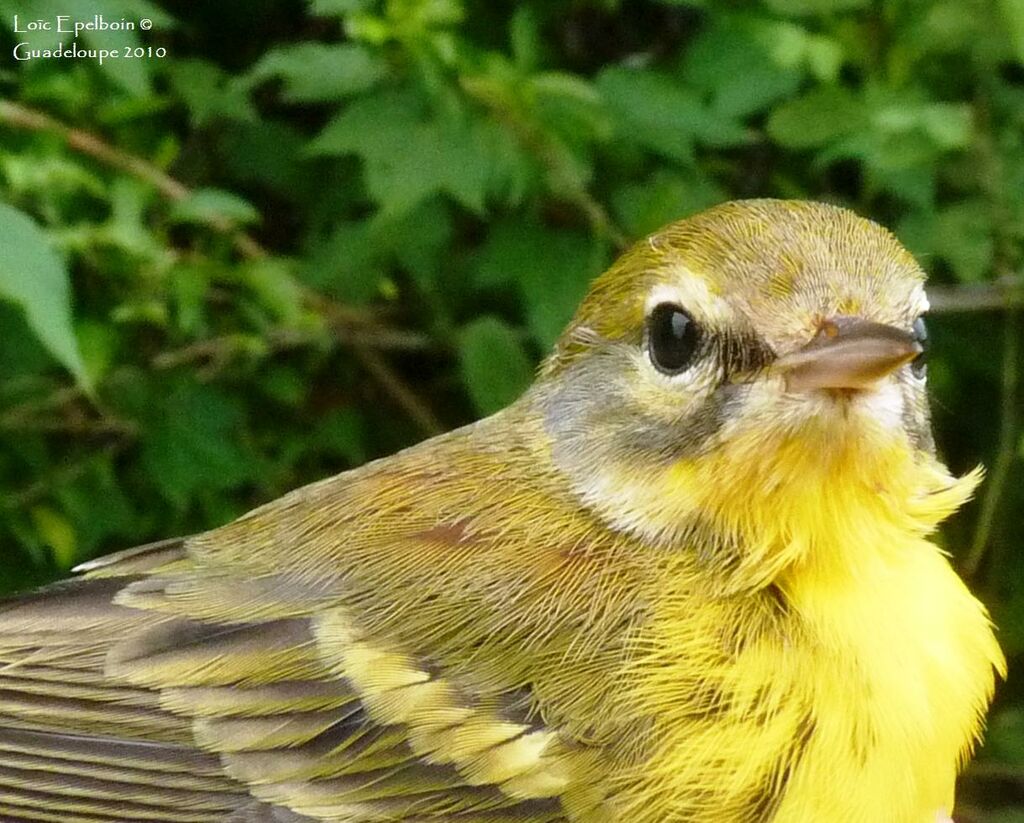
[919,365]
[672,338]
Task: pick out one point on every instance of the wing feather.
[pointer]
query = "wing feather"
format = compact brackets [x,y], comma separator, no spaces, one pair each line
[398,643]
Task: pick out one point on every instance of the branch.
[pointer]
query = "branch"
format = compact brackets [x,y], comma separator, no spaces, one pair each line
[221,349]
[103,426]
[18,116]
[56,412]
[994,770]
[999,295]
[65,474]
[396,388]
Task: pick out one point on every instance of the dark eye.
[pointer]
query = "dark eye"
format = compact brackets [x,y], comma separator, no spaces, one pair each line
[919,364]
[672,338]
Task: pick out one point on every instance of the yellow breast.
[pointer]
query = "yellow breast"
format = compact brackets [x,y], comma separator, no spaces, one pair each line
[851,699]
[898,666]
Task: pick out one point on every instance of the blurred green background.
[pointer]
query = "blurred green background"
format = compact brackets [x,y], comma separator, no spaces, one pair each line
[274,239]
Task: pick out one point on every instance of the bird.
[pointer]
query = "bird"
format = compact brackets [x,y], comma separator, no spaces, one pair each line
[689,575]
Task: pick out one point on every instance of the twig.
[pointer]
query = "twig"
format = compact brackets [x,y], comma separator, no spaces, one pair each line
[103,426]
[998,295]
[40,488]
[994,770]
[22,117]
[220,350]
[27,408]
[356,329]
[384,339]
[24,416]
[14,114]
[396,388]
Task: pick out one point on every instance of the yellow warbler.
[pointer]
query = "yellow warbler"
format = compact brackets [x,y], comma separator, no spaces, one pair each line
[686,577]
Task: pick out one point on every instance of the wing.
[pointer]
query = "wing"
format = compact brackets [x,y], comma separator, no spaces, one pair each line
[435,636]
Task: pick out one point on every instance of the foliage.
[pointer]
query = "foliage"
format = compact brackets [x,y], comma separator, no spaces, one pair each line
[313,233]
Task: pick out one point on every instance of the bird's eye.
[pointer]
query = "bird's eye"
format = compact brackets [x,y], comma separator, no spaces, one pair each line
[672,338]
[919,364]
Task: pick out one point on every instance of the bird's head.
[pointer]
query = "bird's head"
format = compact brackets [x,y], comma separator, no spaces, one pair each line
[755,373]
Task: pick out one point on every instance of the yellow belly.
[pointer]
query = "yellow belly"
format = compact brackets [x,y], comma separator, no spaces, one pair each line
[903,672]
[855,703]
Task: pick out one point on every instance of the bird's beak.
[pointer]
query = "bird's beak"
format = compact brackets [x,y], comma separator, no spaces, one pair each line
[847,353]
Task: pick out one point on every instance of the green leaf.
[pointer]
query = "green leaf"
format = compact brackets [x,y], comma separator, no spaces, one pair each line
[285,385]
[903,142]
[272,281]
[127,227]
[411,154]
[569,107]
[211,205]
[495,367]
[824,57]
[551,269]
[189,281]
[23,354]
[342,432]
[98,343]
[209,92]
[1013,17]
[347,263]
[916,185]
[58,533]
[660,113]
[270,154]
[374,126]
[193,446]
[33,277]
[961,234]
[948,124]
[420,242]
[647,205]
[965,239]
[440,156]
[817,118]
[731,62]
[95,502]
[525,38]
[316,72]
